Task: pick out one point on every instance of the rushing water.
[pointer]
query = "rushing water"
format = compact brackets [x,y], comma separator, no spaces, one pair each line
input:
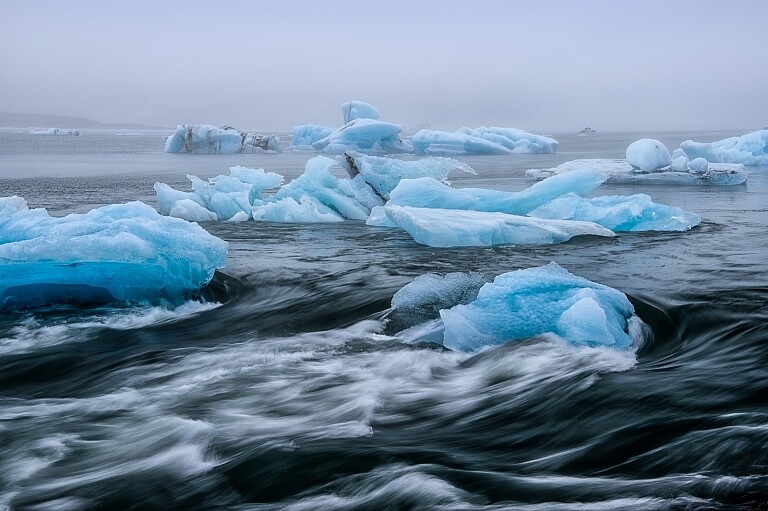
[283,388]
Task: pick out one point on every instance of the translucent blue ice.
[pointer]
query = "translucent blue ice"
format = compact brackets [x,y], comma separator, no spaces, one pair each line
[304,136]
[648,155]
[619,213]
[384,174]
[358,110]
[207,139]
[220,197]
[749,149]
[429,193]
[482,141]
[122,252]
[367,136]
[459,228]
[538,301]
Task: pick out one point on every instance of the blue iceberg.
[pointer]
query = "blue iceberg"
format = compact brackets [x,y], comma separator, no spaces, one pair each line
[681,171]
[461,228]
[358,110]
[631,213]
[302,137]
[207,139]
[648,155]
[122,252]
[482,141]
[749,149]
[547,300]
[429,193]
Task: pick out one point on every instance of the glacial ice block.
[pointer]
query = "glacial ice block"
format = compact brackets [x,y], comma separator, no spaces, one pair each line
[648,155]
[482,141]
[429,193]
[384,174]
[222,197]
[367,136]
[358,110]
[619,171]
[122,252]
[749,149]
[302,137]
[537,301]
[619,213]
[457,228]
[207,139]
[56,131]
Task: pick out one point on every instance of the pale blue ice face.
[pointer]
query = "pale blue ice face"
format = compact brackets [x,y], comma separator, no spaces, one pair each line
[302,137]
[749,149]
[208,139]
[365,135]
[358,110]
[482,141]
[648,155]
[539,301]
[122,252]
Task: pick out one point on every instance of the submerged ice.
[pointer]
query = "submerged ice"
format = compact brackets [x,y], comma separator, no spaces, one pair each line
[546,300]
[207,139]
[122,252]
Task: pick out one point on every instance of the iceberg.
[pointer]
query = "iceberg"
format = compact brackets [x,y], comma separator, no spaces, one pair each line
[749,149]
[482,141]
[460,228]
[122,252]
[648,155]
[619,171]
[218,198]
[365,135]
[539,301]
[207,139]
[302,137]
[384,174]
[358,110]
[632,213]
[56,131]
[429,193]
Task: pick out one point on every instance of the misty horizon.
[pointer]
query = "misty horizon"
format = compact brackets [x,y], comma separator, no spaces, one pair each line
[557,67]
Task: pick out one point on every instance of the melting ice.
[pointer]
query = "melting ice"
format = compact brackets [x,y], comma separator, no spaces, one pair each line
[482,140]
[122,252]
[207,139]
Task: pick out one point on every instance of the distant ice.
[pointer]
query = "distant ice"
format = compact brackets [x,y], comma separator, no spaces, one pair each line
[461,228]
[482,141]
[122,252]
[749,149]
[648,155]
[358,110]
[207,139]
[304,136]
[679,172]
[55,131]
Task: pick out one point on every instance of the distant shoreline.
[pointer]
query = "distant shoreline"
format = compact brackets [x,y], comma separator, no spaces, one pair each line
[25,120]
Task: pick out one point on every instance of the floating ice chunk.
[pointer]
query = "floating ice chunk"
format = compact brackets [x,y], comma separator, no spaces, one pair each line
[749,149]
[482,141]
[679,164]
[456,228]
[56,131]
[224,196]
[302,137]
[349,198]
[358,110]
[384,174]
[648,155]
[122,252]
[428,193]
[537,301]
[288,209]
[698,166]
[619,213]
[619,171]
[366,136]
[207,139]
[188,209]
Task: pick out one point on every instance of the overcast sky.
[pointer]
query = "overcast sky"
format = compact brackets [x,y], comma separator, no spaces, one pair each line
[541,65]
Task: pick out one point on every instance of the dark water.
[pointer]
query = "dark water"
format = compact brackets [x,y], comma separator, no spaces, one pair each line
[284,390]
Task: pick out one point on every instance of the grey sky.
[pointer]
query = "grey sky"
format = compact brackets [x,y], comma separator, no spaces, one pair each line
[540,65]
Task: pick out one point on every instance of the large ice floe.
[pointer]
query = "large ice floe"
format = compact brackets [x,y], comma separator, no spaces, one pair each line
[207,139]
[122,252]
[649,161]
[482,141]
[56,131]
[749,149]
[362,131]
[523,304]
[317,195]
